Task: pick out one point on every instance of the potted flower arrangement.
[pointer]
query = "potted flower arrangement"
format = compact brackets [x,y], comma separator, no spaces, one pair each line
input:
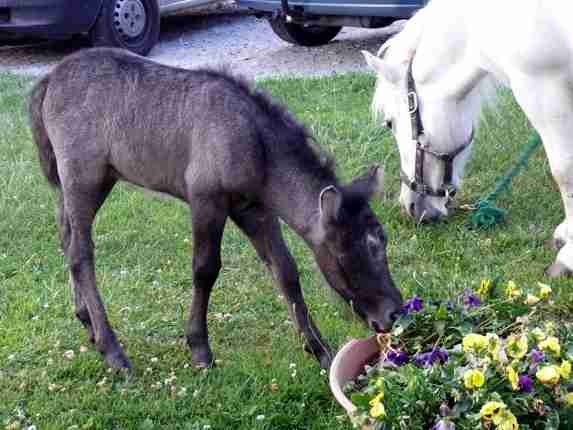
[491,359]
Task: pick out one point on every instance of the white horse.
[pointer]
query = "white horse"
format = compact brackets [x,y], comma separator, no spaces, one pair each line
[435,74]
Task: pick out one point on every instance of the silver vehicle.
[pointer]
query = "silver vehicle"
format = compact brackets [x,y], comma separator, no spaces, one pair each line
[316,22]
[130,24]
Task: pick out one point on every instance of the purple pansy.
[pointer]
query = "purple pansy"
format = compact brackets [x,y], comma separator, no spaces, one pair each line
[444,425]
[472,300]
[398,358]
[537,356]
[428,359]
[415,304]
[525,384]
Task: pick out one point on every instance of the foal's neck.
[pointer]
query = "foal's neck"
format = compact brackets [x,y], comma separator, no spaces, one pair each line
[294,195]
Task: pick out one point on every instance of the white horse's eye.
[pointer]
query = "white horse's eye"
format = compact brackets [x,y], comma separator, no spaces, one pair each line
[388,123]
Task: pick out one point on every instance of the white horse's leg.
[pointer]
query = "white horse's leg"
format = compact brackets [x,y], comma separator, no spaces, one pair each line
[549,105]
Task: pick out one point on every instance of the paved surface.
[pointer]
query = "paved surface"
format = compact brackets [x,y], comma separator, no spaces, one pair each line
[231,37]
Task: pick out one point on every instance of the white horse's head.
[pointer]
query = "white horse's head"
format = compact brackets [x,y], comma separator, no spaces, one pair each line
[423,99]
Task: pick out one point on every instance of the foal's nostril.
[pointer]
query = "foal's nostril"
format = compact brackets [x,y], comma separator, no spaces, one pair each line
[376,326]
[394,316]
[412,209]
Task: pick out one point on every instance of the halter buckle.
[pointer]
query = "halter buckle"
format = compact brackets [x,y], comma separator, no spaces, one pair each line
[412,102]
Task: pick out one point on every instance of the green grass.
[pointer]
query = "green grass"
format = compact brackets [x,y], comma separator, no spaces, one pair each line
[144,274]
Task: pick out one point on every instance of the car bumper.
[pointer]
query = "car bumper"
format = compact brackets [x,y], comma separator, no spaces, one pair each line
[50,18]
[394,9]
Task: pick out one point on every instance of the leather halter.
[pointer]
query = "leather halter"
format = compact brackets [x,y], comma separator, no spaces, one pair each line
[447,189]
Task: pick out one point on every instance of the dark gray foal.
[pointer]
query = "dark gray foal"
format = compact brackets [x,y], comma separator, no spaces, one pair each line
[227,150]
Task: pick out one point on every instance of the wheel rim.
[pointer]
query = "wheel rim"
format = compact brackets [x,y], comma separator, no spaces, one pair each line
[129,18]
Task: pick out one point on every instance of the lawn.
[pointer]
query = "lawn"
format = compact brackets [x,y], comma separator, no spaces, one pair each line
[51,378]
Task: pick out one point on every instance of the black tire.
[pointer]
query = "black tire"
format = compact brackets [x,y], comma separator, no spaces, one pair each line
[304,35]
[128,24]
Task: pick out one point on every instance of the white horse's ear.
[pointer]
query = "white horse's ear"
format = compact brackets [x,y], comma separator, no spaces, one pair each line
[381,67]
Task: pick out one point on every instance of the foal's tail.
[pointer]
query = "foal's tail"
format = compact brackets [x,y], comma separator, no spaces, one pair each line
[45,149]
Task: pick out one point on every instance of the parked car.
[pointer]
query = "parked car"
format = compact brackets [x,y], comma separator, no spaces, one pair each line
[316,22]
[130,24]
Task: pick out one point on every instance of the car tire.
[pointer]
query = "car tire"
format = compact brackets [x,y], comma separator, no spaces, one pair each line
[304,35]
[128,24]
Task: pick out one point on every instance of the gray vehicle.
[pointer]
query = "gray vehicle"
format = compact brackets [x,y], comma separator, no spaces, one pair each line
[129,24]
[316,22]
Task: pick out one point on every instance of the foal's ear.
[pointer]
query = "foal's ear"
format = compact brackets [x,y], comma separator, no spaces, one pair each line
[371,184]
[381,67]
[329,203]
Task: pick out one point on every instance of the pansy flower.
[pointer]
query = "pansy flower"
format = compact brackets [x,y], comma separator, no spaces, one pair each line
[474,379]
[537,356]
[398,358]
[512,291]
[416,304]
[472,300]
[551,344]
[428,359]
[544,291]
[548,375]
[513,378]
[569,399]
[565,369]
[475,343]
[525,384]
[517,346]
[485,287]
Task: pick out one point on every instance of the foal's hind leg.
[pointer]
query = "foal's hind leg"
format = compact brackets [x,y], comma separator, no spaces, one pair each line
[81,309]
[208,218]
[264,231]
[549,105]
[84,193]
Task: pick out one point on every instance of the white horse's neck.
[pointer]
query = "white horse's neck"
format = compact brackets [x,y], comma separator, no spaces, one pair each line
[448,64]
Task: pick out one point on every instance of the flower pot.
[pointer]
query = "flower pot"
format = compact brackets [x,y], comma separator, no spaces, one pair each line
[347,365]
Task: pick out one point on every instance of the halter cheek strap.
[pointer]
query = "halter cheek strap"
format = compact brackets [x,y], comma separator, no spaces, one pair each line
[418,185]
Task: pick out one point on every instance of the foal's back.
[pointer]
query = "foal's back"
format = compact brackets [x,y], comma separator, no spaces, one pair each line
[110,112]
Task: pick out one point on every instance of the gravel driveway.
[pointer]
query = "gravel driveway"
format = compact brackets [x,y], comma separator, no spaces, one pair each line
[232,37]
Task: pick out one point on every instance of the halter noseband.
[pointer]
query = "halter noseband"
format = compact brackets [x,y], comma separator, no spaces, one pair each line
[417,184]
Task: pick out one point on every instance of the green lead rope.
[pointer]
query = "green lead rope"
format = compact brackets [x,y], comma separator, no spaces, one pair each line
[486,214]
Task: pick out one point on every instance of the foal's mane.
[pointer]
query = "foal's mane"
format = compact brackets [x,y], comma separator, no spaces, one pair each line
[289,137]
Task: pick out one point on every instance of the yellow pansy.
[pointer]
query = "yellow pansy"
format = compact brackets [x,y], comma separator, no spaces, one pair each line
[513,377]
[507,421]
[378,411]
[548,375]
[517,346]
[551,344]
[569,399]
[485,287]
[475,343]
[492,410]
[512,291]
[474,379]
[538,334]
[532,300]
[494,346]
[544,290]
[377,399]
[565,369]
[550,327]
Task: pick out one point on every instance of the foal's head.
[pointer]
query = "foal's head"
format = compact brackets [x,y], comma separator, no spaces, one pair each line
[351,250]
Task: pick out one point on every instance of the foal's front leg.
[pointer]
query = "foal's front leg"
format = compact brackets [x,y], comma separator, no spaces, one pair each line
[264,231]
[209,216]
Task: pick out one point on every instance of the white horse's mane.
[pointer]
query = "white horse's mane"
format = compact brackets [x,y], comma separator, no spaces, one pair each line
[401,48]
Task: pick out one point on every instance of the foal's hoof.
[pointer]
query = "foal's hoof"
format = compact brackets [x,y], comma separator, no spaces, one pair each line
[203,360]
[118,360]
[557,270]
[555,244]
